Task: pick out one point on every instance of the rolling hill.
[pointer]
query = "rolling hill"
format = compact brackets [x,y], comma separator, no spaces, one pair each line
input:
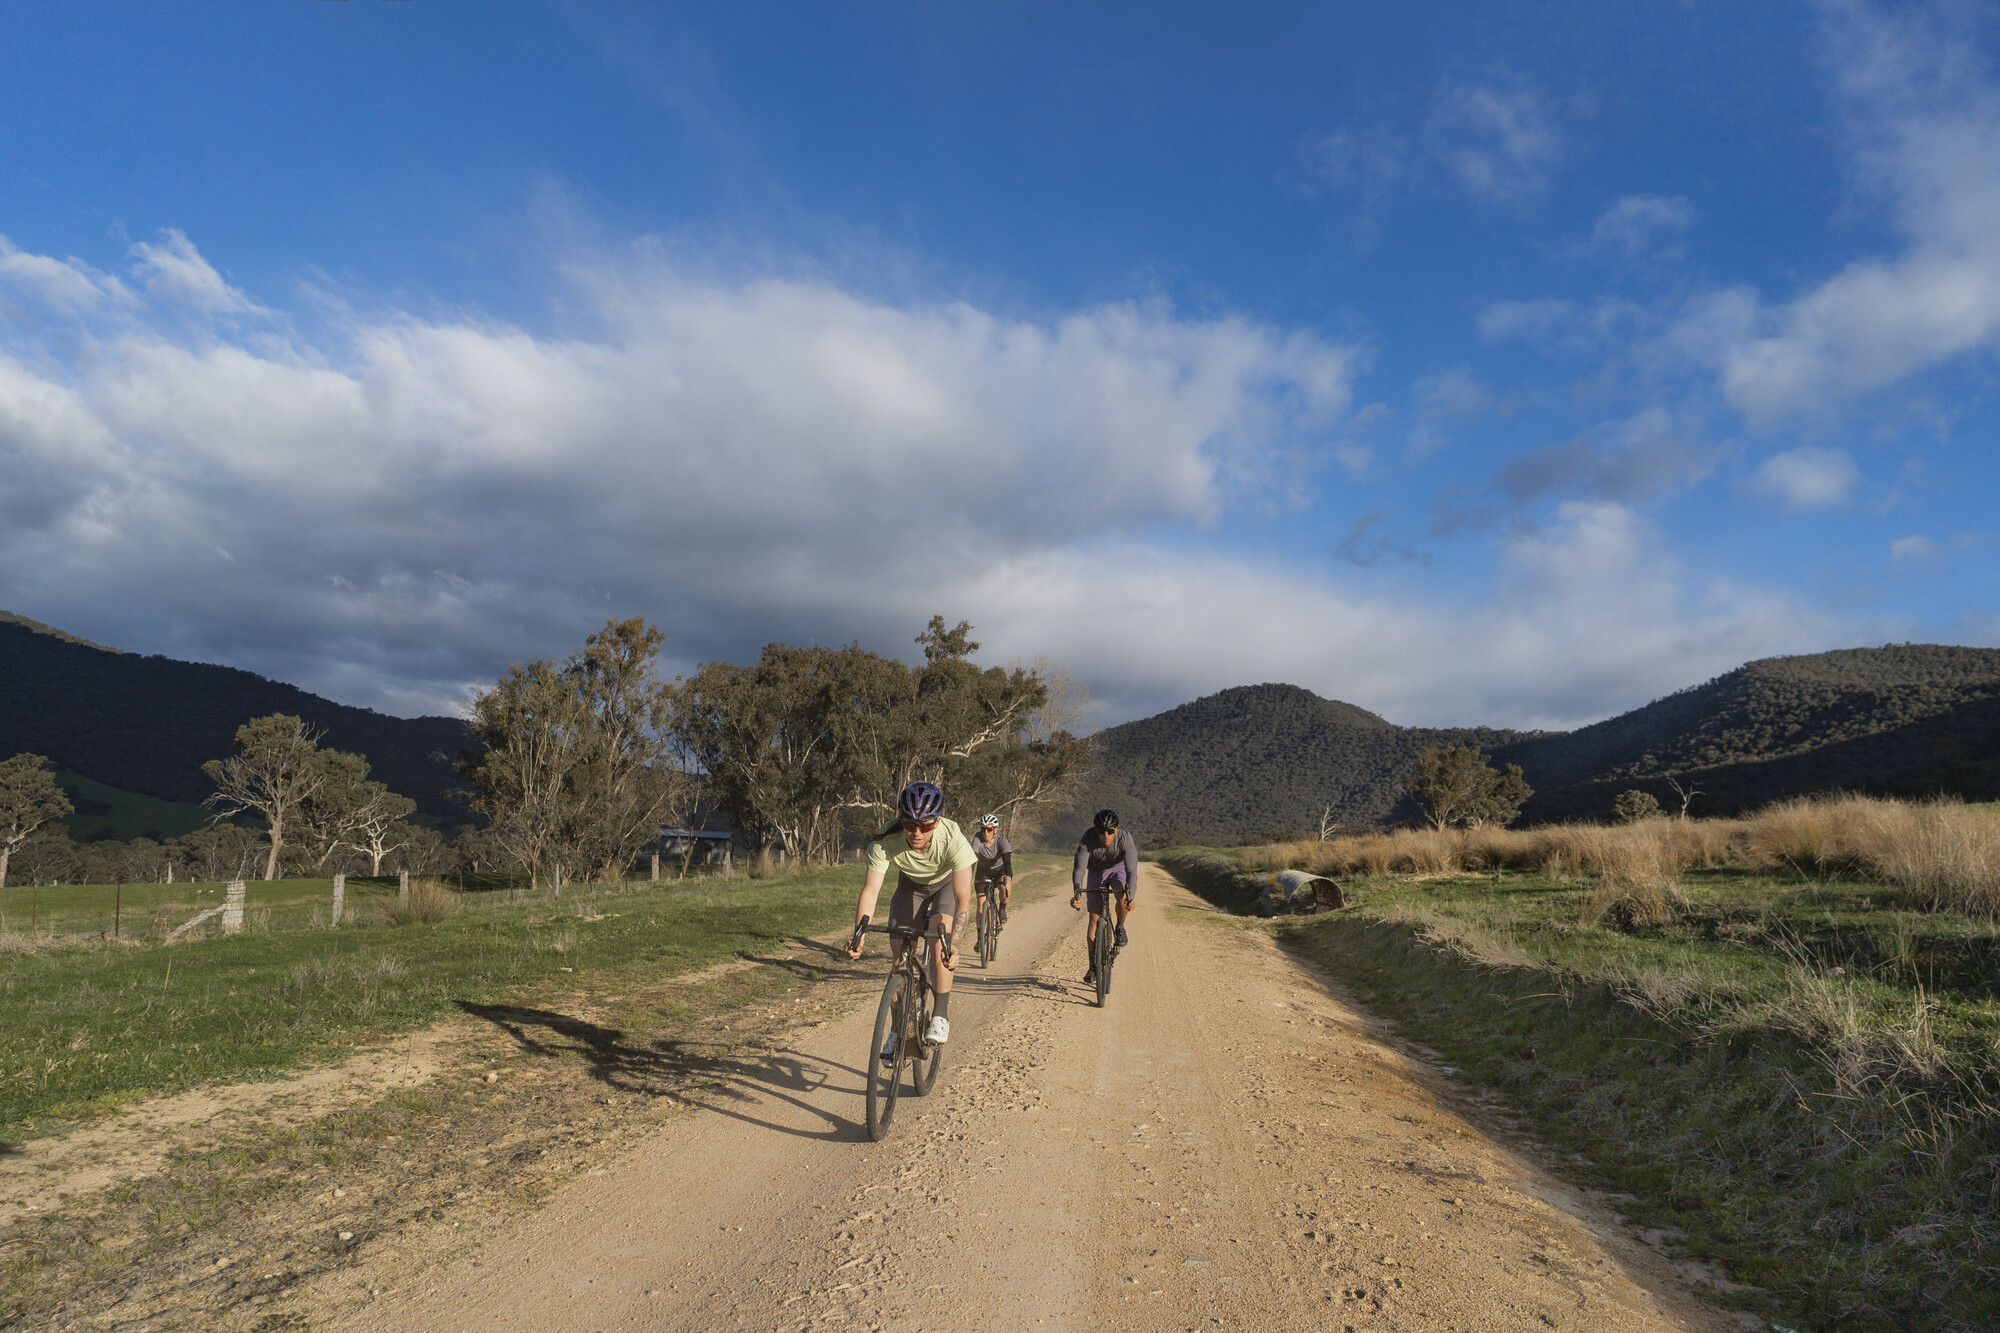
[1909,720]
[146,724]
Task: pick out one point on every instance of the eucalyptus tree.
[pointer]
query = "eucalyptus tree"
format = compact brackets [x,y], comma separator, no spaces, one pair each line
[276,768]
[29,798]
[578,765]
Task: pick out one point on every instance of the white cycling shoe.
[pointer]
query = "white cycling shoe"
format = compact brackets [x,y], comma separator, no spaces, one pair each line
[889,1049]
[939,1032]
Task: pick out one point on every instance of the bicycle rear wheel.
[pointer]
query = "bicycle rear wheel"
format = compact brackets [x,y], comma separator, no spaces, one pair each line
[924,1065]
[884,1080]
[1101,952]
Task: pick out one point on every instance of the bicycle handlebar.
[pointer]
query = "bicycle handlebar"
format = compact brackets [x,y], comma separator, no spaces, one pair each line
[934,933]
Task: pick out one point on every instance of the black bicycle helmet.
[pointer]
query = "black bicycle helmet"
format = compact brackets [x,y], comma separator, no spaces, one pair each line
[1106,819]
[921,801]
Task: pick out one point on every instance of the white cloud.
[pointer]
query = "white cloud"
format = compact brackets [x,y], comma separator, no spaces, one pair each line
[1499,144]
[1587,618]
[174,270]
[432,494]
[1924,114]
[1807,478]
[1630,225]
[68,285]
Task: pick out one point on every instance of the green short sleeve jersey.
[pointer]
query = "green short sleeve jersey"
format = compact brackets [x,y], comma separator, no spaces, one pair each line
[950,850]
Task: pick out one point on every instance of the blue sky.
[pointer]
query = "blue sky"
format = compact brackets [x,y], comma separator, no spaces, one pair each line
[1474,363]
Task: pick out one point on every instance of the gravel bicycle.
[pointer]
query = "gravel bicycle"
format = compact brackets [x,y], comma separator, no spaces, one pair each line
[989,922]
[907,1002]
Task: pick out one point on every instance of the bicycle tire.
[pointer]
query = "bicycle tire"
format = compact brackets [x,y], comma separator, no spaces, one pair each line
[1102,953]
[989,930]
[924,1071]
[884,1080]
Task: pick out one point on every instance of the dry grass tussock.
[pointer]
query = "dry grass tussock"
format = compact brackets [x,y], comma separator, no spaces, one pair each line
[1635,868]
[431,901]
[1942,855]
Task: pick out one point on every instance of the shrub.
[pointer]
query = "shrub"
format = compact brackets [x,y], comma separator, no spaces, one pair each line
[431,901]
[1632,806]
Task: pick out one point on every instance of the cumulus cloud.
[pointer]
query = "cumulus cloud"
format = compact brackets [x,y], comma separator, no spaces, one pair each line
[1923,113]
[1807,478]
[392,508]
[1591,617]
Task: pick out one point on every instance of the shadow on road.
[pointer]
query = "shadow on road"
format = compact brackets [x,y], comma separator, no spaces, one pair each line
[712,1075]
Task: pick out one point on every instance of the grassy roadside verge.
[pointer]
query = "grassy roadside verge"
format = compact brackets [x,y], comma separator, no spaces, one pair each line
[1792,1078]
[93,1027]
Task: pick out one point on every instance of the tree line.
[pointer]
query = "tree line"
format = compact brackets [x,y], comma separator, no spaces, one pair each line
[579,763]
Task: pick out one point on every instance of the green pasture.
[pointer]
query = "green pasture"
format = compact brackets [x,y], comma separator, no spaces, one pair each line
[151,911]
[127,814]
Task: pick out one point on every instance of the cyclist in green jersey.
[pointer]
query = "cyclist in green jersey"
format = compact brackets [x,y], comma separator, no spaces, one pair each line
[931,854]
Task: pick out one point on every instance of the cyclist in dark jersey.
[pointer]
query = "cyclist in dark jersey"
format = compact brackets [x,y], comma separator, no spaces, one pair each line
[1107,865]
[996,861]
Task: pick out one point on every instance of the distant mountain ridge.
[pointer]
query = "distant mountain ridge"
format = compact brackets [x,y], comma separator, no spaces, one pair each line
[146,724]
[1910,719]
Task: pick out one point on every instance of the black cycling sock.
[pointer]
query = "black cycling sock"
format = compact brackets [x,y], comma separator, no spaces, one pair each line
[943,1004]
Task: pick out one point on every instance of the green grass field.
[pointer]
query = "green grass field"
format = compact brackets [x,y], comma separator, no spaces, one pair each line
[92,1026]
[129,814]
[1793,1077]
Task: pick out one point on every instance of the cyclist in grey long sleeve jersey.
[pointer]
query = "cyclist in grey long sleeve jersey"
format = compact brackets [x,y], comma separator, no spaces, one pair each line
[996,861]
[1107,865]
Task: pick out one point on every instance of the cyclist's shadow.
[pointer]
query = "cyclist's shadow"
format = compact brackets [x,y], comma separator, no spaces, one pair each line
[711,1075]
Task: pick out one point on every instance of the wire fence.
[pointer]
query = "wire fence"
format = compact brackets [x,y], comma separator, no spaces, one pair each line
[135,913]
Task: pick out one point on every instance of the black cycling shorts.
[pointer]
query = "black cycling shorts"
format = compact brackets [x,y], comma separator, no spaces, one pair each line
[912,899]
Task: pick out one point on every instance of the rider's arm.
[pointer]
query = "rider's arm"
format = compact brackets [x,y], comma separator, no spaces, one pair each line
[1080,876]
[1131,862]
[1004,862]
[871,889]
[961,892]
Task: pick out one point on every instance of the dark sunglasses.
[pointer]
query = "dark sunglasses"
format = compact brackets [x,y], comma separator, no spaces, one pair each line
[912,826]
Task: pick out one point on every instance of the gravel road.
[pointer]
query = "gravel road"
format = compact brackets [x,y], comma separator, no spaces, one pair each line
[1227,1145]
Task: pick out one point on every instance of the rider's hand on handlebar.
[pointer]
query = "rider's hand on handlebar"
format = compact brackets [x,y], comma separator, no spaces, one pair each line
[853,949]
[1075,902]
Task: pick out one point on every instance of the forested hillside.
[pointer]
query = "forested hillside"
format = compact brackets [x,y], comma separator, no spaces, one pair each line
[146,724]
[1905,720]
[1257,759]
[1908,720]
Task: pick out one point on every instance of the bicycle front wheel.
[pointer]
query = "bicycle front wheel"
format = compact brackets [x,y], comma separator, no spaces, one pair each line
[989,931]
[885,1078]
[1102,953]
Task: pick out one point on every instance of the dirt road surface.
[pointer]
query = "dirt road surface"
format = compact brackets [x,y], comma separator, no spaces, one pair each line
[1227,1145]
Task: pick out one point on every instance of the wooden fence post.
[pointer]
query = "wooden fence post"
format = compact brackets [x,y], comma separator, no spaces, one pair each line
[232,907]
[339,895]
[656,867]
[402,888]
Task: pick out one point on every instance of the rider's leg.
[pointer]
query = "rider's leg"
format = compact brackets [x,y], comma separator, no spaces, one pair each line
[1124,905]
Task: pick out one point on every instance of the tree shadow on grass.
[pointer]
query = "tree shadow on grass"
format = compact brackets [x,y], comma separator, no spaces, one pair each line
[724,1079]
